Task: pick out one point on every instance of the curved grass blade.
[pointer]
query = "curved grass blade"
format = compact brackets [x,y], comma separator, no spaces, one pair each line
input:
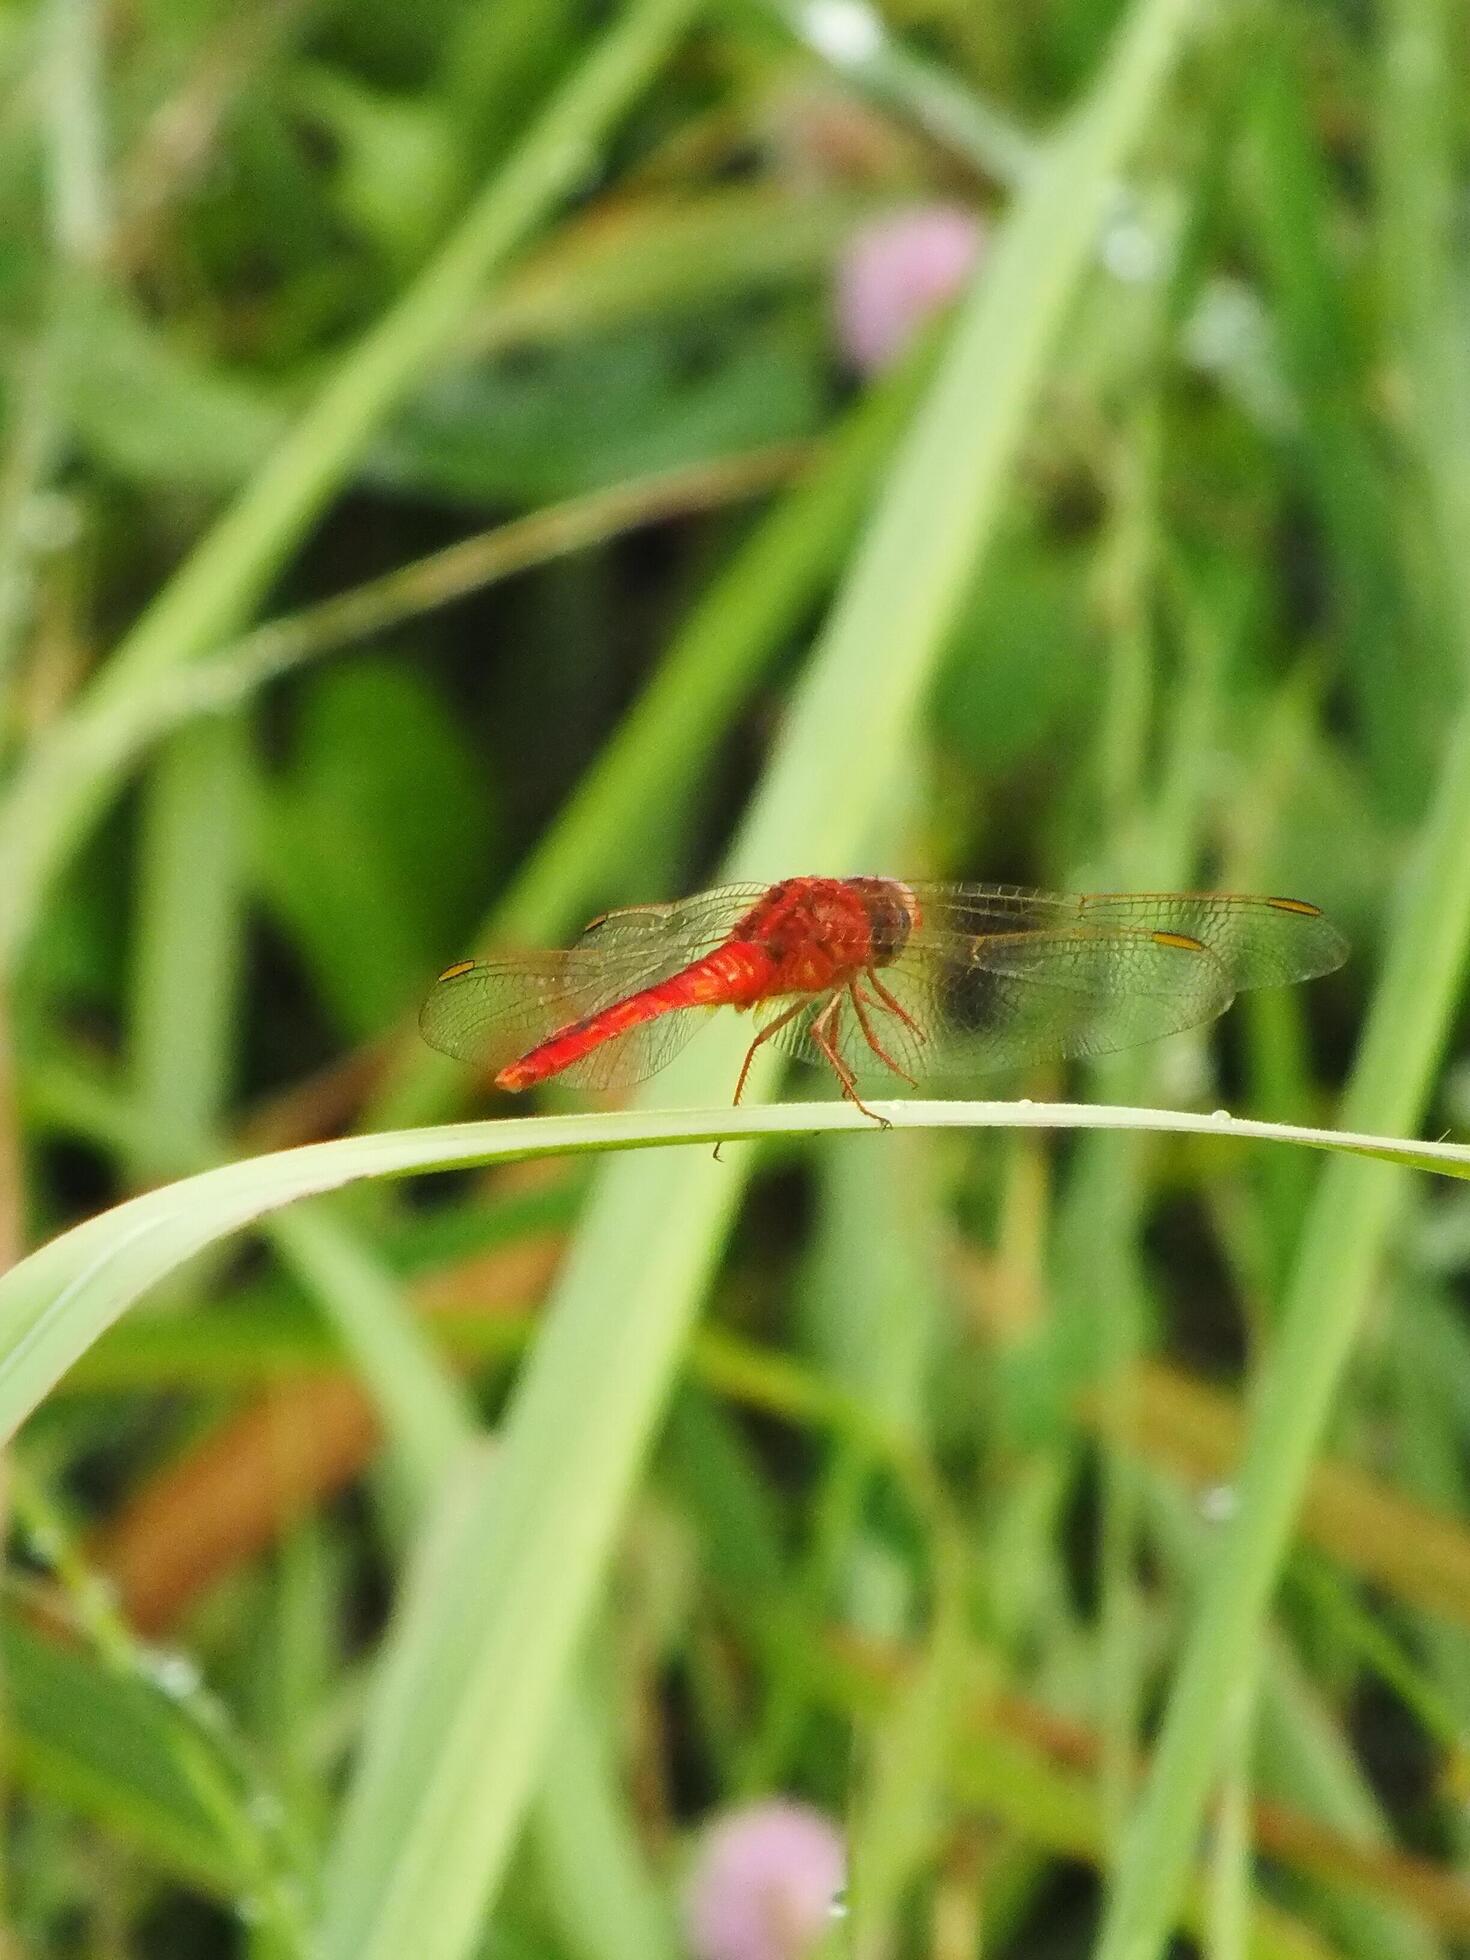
[57,1302]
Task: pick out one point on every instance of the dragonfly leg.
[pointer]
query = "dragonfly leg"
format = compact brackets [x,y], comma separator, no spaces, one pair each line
[858,998]
[821,1033]
[771,1027]
[894,1006]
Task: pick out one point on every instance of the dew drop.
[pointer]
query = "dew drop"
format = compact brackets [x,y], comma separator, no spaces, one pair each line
[1218,1503]
[845,31]
[173,1674]
[1130,251]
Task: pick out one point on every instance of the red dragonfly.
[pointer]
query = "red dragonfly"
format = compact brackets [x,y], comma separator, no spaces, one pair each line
[875,978]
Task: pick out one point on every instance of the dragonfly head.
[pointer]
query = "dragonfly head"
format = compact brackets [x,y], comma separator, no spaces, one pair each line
[893,913]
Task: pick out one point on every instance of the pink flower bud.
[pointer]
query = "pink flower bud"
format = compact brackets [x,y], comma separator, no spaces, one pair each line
[896,272]
[764,1883]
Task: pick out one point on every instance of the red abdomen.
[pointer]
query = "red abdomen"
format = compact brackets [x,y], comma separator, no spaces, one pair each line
[735,974]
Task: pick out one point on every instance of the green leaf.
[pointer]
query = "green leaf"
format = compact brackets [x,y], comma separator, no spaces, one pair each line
[112,1747]
[375,840]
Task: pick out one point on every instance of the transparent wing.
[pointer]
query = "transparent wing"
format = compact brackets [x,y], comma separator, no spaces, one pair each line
[648,932]
[491,1012]
[992,976]
[1004,999]
[1261,942]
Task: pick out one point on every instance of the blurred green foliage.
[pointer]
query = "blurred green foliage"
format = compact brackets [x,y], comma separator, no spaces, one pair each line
[944,1474]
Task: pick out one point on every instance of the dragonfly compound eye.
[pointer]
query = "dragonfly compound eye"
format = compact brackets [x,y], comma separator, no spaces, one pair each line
[892,911]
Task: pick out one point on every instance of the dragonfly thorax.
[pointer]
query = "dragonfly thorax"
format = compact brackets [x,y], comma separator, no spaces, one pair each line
[814,931]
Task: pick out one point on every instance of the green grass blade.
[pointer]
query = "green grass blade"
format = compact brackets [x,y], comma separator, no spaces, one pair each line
[922,552]
[186,967]
[104,1744]
[600,1892]
[58,1301]
[1324,358]
[1341,1244]
[424,1410]
[857,45]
